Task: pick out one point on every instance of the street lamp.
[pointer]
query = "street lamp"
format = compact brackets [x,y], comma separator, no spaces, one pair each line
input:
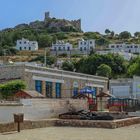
[45,57]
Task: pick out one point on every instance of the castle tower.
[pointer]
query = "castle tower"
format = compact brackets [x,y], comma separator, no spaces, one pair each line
[47,16]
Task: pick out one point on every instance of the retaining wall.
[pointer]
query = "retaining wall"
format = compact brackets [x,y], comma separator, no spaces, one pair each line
[73,123]
[35,109]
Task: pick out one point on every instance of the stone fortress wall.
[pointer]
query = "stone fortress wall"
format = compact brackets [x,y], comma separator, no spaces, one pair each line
[75,23]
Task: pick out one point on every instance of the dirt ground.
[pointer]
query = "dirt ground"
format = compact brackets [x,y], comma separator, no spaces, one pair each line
[70,133]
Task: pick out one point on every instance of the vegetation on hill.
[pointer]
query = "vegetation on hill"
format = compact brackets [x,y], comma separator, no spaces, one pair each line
[48,32]
[56,29]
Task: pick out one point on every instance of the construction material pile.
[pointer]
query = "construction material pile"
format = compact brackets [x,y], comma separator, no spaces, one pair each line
[85,115]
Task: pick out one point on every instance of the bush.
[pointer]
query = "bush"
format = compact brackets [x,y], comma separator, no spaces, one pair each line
[63,55]
[10,88]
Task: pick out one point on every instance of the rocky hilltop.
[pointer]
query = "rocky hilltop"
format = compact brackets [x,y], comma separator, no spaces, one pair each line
[53,24]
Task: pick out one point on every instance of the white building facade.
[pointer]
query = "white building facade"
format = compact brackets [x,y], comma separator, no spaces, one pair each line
[26,45]
[125,88]
[86,45]
[61,46]
[129,48]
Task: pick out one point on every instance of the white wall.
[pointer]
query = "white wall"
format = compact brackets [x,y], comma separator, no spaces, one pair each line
[35,109]
[62,46]
[121,91]
[25,44]
[88,44]
[131,48]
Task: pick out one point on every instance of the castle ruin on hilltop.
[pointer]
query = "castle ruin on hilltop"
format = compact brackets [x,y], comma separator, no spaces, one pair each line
[75,23]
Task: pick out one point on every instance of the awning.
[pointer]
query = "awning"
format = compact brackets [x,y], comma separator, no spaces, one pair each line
[47,79]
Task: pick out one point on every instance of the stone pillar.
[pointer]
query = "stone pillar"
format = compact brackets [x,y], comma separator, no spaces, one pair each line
[64,90]
[53,90]
[44,88]
[97,90]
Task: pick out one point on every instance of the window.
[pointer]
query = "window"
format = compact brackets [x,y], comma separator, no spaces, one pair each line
[81,43]
[54,48]
[49,89]
[68,48]
[38,86]
[127,46]
[75,91]
[136,46]
[112,46]
[90,42]
[117,46]
[24,48]
[85,43]
[81,49]
[20,48]
[29,48]
[58,90]
[25,42]
[59,48]
[64,48]
[85,48]
[20,42]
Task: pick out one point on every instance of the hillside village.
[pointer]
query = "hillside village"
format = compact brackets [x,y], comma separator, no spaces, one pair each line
[56,76]
[61,44]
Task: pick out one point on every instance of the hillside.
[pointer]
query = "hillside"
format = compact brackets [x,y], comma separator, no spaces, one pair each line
[51,29]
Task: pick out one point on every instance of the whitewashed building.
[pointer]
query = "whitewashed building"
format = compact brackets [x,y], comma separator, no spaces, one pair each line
[25,44]
[86,45]
[125,87]
[129,48]
[61,46]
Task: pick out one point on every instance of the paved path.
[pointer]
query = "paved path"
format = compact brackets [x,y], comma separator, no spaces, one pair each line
[70,133]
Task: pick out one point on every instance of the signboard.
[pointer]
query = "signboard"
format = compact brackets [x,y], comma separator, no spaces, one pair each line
[75,84]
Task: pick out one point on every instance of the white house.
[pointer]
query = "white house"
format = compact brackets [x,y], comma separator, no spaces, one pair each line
[61,46]
[25,44]
[129,48]
[86,45]
[125,88]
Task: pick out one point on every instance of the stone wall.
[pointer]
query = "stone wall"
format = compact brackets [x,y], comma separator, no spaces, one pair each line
[35,109]
[7,127]
[10,72]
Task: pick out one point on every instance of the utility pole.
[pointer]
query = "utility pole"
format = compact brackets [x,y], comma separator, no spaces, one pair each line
[45,58]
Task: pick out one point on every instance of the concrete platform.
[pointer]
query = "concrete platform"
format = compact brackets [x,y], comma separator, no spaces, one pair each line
[8,127]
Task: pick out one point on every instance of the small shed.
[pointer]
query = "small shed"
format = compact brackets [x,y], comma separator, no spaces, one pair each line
[28,94]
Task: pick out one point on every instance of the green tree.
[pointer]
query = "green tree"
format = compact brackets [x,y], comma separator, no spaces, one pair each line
[107,31]
[137,34]
[125,35]
[102,41]
[104,70]
[10,88]
[112,34]
[134,67]
[90,64]
[45,40]
[68,66]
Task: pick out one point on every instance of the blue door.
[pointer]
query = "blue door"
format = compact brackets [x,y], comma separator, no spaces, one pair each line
[38,86]
[75,91]
[58,90]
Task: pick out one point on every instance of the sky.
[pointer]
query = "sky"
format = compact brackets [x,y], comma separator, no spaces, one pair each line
[96,15]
